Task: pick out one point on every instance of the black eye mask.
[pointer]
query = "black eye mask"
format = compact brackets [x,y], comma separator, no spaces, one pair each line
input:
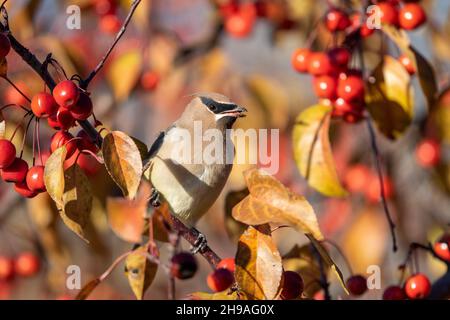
[217,107]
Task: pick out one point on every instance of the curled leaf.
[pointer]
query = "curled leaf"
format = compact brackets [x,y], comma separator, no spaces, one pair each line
[389,97]
[54,175]
[271,202]
[140,271]
[77,200]
[123,162]
[258,264]
[312,151]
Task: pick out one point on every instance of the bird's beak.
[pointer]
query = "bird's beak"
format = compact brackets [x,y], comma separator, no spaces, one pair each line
[236,112]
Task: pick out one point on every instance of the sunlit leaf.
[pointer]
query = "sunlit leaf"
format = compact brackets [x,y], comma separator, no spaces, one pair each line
[2,126]
[87,289]
[124,72]
[258,264]
[140,271]
[54,175]
[123,162]
[126,218]
[389,97]
[312,151]
[271,202]
[77,200]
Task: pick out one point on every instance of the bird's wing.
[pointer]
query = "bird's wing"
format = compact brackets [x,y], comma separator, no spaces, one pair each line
[155,147]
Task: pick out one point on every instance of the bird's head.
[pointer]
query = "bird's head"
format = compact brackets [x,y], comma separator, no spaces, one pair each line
[214,109]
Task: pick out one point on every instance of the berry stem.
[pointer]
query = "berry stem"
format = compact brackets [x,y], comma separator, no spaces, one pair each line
[25,136]
[19,125]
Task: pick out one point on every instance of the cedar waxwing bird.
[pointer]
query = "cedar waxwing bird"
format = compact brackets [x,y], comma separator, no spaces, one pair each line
[188,185]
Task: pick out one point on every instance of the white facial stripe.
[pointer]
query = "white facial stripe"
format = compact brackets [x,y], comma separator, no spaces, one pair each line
[220,116]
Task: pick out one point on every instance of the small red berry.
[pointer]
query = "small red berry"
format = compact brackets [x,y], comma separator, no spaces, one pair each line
[417,286]
[394,293]
[337,20]
[104,7]
[35,179]
[227,263]
[22,189]
[66,94]
[412,16]
[85,142]
[43,105]
[428,153]
[61,120]
[220,280]
[373,193]
[183,265]
[300,60]
[351,88]
[292,286]
[6,268]
[356,285]
[150,80]
[7,153]
[5,45]
[239,25]
[319,64]
[110,23]
[339,57]
[388,13]
[356,178]
[325,87]
[27,264]
[442,247]
[407,63]
[83,108]
[62,138]
[16,172]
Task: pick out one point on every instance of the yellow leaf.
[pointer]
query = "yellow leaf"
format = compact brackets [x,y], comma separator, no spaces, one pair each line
[271,202]
[258,264]
[123,162]
[312,151]
[77,200]
[389,97]
[54,175]
[124,72]
[140,271]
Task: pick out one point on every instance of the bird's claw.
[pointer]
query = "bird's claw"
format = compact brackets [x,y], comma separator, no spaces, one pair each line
[199,244]
[154,198]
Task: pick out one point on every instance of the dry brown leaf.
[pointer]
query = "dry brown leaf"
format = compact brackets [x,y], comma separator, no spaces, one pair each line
[258,264]
[87,289]
[54,175]
[271,202]
[123,162]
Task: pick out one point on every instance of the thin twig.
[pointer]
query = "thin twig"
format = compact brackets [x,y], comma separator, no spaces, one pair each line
[85,83]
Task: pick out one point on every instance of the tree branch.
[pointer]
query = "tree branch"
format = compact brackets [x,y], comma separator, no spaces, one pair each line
[190,235]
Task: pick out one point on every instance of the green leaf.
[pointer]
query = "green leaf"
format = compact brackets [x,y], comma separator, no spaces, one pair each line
[312,151]
[123,162]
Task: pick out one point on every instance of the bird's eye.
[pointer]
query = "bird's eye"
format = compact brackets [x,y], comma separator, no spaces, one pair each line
[212,107]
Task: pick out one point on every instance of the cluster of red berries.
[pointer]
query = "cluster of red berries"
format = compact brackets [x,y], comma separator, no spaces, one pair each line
[239,17]
[62,109]
[333,81]
[26,264]
[361,179]
[107,11]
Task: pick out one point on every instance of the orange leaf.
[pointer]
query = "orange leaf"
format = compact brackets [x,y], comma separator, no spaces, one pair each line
[258,264]
[87,289]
